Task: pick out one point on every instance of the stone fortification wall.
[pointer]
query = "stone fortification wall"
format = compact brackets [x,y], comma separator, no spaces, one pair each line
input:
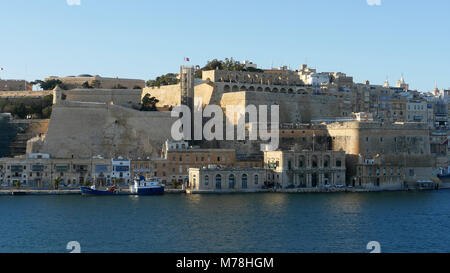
[169,95]
[26,130]
[123,97]
[294,108]
[99,82]
[21,94]
[372,138]
[83,130]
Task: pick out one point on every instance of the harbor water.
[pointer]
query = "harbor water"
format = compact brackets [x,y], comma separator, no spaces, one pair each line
[266,222]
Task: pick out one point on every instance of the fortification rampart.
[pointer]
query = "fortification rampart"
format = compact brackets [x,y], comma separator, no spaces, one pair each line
[83,130]
[21,94]
[124,97]
[294,108]
[379,125]
[168,95]
[98,82]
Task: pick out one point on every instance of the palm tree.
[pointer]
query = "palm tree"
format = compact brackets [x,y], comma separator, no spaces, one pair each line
[116,182]
[56,182]
[17,184]
[175,183]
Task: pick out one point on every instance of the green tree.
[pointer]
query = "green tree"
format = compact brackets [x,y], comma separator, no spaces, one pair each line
[49,84]
[149,103]
[17,184]
[21,111]
[47,100]
[86,85]
[167,79]
[227,64]
[56,183]
[9,108]
[96,84]
[116,182]
[46,112]
[175,183]
[232,65]
[25,106]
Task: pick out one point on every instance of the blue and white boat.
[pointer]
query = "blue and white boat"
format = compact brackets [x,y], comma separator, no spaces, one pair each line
[93,191]
[143,187]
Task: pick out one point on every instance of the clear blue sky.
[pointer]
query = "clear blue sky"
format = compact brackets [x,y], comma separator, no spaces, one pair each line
[144,39]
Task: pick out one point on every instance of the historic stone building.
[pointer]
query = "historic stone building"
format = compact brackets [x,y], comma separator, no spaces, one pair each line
[296,100]
[304,137]
[177,158]
[40,170]
[306,169]
[15,85]
[376,172]
[407,144]
[73,82]
[216,179]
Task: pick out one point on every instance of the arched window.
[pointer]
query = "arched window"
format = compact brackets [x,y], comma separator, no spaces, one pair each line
[326,161]
[231,180]
[244,181]
[226,88]
[206,180]
[301,162]
[314,161]
[218,182]
[256,178]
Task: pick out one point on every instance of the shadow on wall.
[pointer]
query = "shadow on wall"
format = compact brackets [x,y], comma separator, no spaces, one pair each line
[7,134]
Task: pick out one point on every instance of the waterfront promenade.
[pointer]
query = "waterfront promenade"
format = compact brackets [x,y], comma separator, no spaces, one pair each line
[76,191]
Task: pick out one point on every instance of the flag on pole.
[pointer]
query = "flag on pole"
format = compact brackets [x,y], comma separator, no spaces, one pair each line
[187,59]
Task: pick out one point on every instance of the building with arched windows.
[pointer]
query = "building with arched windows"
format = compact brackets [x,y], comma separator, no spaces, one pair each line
[215,179]
[306,169]
[298,101]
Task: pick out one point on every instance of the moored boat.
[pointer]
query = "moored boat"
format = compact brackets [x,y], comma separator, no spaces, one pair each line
[93,191]
[444,174]
[143,187]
